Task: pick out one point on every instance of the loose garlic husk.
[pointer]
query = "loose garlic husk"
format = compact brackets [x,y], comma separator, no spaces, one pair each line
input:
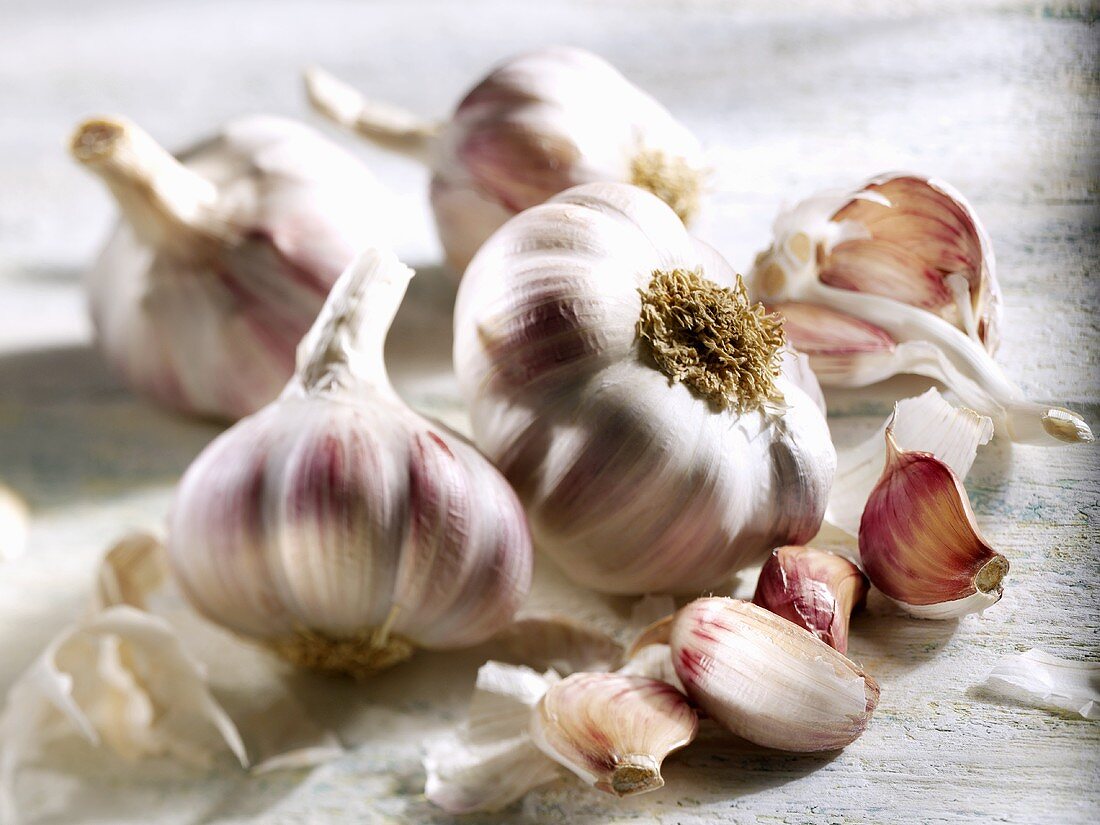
[815,589]
[336,525]
[223,257]
[538,124]
[919,543]
[898,277]
[613,730]
[639,404]
[764,678]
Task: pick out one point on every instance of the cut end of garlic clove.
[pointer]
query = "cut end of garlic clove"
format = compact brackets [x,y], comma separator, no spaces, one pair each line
[635,773]
[98,138]
[1066,426]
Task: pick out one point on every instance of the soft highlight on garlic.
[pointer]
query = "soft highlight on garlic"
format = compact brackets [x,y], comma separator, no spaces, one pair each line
[919,542]
[613,730]
[336,525]
[635,480]
[898,277]
[538,124]
[764,678]
[222,257]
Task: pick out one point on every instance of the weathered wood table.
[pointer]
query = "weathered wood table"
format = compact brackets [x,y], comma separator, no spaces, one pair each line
[1001,98]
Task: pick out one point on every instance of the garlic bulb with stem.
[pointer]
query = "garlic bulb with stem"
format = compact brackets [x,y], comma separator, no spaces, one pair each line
[898,277]
[764,678]
[538,124]
[639,404]
[222,257]
[336,525]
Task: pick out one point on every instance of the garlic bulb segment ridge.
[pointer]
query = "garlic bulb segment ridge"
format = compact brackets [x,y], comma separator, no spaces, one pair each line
[613,730]
[336,525]
[919,542]
[222,257]
[764,678]
[899,277]
[815,589]
[538,124]
[641,406]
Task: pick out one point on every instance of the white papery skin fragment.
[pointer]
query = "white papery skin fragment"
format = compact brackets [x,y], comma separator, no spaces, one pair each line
[1044,680]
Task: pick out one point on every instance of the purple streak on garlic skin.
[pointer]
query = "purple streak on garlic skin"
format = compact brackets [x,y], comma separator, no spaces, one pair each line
[814,589]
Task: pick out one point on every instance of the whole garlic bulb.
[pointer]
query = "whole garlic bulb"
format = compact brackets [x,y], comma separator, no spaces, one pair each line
[337,525]
[639,404]
[538,124]
[223,257]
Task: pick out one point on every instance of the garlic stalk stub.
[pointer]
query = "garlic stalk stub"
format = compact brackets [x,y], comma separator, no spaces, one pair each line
[613,730]
[222,257]
[899,277]
[919,543]
[338,526]
[639,404]
[815,589]
[538,124]
[764,678]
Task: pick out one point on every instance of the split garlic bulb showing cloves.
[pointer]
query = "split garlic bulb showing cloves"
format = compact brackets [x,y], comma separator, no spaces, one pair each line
[764,678]
[898,277]
[223,257]
[338,526]
[639,404]
[613,730]
[538,124]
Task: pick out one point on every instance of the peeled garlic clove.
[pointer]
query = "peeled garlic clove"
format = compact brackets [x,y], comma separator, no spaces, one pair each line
[613,730]
[919,543]
[641,406]
[814,589]
[764,678]
[538,124]
[338,526]
[902,275]
[223,256]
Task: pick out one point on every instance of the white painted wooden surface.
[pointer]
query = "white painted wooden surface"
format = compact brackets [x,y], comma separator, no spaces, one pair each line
[1001,98]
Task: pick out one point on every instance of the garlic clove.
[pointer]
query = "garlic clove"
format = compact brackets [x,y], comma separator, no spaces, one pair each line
[814,589]
[613,730]
[764,678]
[887,269]
[919,542]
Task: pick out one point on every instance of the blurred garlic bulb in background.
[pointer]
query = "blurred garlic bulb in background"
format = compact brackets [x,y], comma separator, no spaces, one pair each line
[538,124]
[223,257]
[898,277]
[639,404]
[337,525]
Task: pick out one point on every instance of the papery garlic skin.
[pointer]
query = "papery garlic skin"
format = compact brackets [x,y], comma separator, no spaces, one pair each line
[764,678]
[222,258]
[337,525]
[613,730]
[919,542]
[814,589]
[633,482]
[898,277]
[538,124]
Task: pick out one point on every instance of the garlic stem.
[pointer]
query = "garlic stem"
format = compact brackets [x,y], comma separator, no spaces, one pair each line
[165,202]
[388,126]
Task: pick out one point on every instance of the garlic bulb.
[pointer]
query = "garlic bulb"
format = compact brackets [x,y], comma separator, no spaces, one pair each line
[764,678]
[338,526]
[898,277]
[815,589]
[222,258]
[538,124]
[638,403]
[613,730]
[919,543]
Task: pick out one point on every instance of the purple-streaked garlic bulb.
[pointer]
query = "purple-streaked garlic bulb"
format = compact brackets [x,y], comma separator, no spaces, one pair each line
[538,124]
[336,525]
[640,405]
[815,589]
[764,678]
[899,277]
[223,256]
